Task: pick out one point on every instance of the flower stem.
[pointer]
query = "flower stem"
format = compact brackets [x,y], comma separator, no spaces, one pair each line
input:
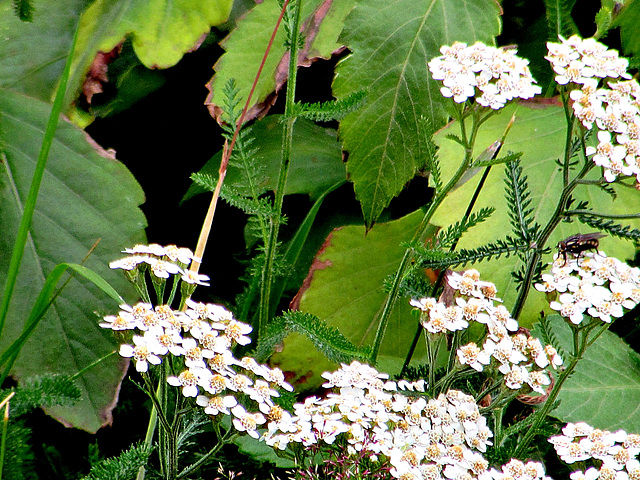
[542,240]
[581,342]
[468,143]
[287,141]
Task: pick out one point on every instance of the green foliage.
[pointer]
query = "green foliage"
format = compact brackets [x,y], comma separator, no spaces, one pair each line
[518,198]
[495,160]
[429,149]
[559,19]
[449,237]
[44,391]
[539,132]
[246,44]
[193,424]
[19,458]
[611,227]
[391,44]
[607,375]
[24,10]
[123,467]
[437,259]
[328,340]
[73,212]
[332,110]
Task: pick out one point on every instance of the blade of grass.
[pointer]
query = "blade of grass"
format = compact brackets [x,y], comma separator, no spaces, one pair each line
[43,302]
[34,190]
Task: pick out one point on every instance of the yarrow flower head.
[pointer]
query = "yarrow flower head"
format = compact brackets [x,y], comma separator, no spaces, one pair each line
[520,358]
[162,262]
[593,286]
[492,75]
[615,452]
[440,437]
[201,339]
[613,108]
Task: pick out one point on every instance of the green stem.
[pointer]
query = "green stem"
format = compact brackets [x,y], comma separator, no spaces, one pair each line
[422,229]
[560,211]
[497,415]
[542,240]
[205,458]
[287,140]
[5,428]
[581,342]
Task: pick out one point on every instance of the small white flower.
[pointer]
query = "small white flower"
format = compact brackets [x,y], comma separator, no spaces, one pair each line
[128,263]
[471,355]
[141,353]
[188,380]
[194,278]
[178,254]
[215,405]
[122,321]
[247,422]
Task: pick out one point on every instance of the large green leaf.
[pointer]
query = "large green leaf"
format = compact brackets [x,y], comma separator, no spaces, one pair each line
[345,289]
[161,31]
[316,161]
[86,196]
[391,43]
[538,132]
[32,55]
[608,375]
[322,22]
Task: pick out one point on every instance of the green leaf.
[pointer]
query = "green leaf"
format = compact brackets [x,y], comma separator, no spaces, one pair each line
[345,289]
[86,196]
[538,132]
[32,55]
[316,162]
[628,21]
[392,42]
[322,22]
[559,19]
[605,387]
[161,31]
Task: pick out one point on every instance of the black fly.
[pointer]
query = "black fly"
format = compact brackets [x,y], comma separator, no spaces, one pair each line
[577,244]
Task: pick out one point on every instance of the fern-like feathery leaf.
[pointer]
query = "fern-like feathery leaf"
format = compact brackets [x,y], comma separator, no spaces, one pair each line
[328,340]
[430,150]
[453,233]
[44,391]
[519,200]
[123,467]
[331,110]
[548,336]
[24,10]
[436,259]
[611,227]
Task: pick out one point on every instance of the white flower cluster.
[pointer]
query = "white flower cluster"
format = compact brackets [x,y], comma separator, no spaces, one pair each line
[615,110]
[162,261]
[596,285]
[498,74]
[443,437]
[520,358]
[615,452]
[202,337]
